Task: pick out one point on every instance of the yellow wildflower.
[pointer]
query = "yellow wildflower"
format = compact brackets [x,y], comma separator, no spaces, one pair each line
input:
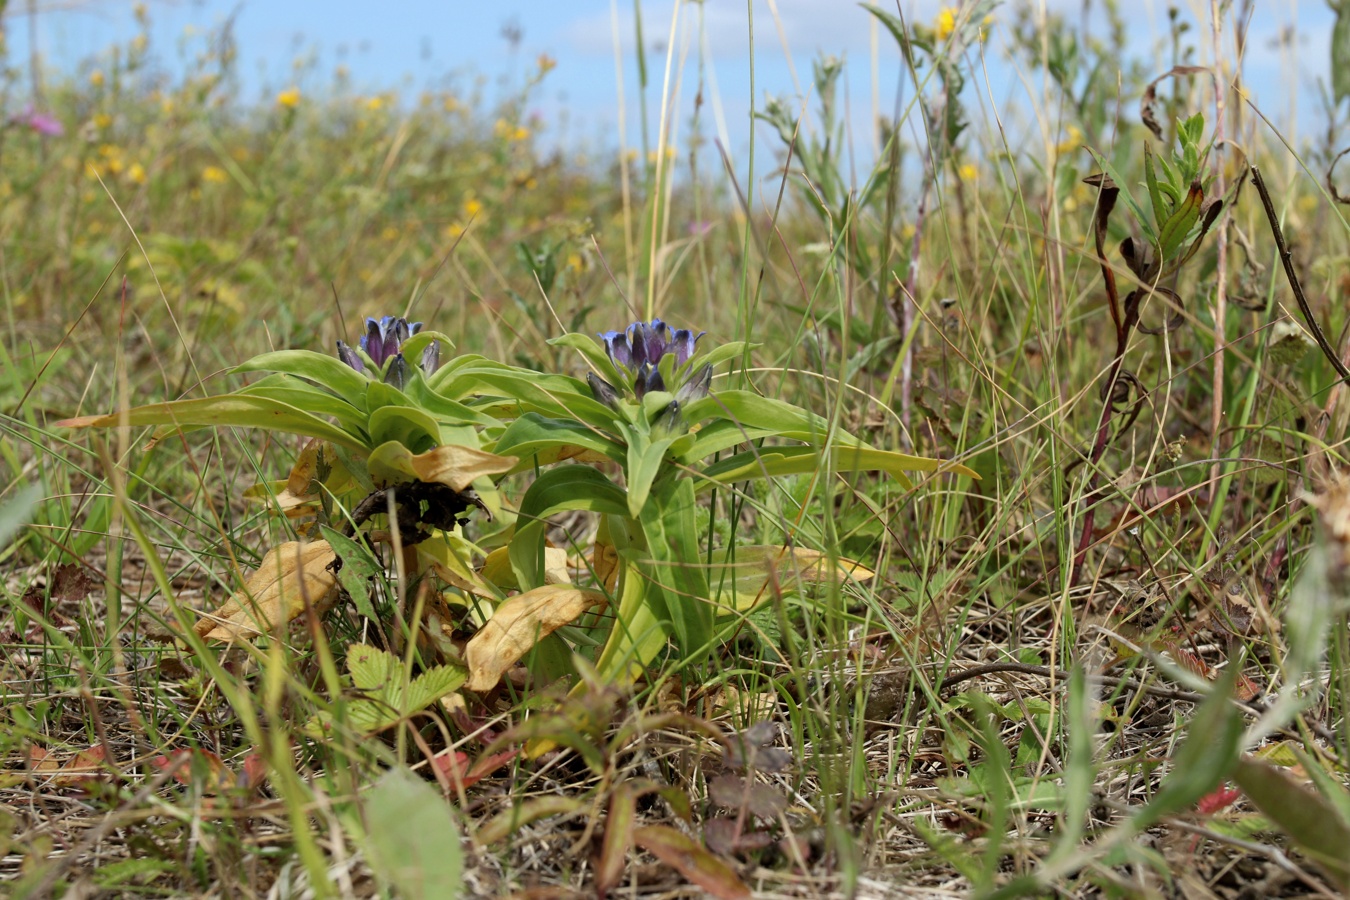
[96,78]
[375,103]
[215,175]
[102,120]
[450,104]
[472,207]
[946,23]
[907,231]
[136,174]
[1072,141]
[390,233]
[968,172]
[453,231]
[289,98]
[546,63]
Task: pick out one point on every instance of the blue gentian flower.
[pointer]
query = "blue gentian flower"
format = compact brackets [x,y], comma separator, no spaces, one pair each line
[383,346]
[638,350]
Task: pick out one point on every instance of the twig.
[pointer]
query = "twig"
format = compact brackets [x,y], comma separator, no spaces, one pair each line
[1288,260]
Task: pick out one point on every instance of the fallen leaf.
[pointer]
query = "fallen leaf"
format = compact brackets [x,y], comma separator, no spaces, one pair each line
[734,792]
[454,765]
[290,577]
[691,860]
[517,625]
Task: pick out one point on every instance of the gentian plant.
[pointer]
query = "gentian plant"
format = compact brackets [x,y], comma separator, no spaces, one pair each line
[378,433]
[648,415]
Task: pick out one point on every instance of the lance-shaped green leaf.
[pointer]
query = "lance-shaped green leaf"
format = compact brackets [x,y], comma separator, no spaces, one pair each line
[646,458]
[594,353]
[533,435]
[231,409]
[641,628]
[1161,210]
[557,490]
[301,394]
[774,461]
[407,425]
[1174,231]
[319,368]
[1314,822]
[669,524]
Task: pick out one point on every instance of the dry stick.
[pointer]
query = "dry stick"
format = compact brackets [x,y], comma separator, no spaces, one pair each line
[1220,281]
[1294,285]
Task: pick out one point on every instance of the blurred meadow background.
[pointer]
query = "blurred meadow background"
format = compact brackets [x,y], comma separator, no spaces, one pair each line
[1103,651]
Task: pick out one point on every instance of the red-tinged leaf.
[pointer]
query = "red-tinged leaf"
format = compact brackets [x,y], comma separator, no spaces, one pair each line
[722,836]
[691,860]
[197,766]
[80,771]
[254,771]
[1219,799]
[454,765]
[618,839]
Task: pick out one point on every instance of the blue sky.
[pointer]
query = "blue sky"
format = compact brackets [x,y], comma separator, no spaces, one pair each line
[409,45]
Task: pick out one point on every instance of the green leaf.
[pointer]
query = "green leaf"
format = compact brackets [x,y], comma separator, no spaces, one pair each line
[892,22]
[1206,756]
[557,490]
[18,512]
[534,435]
[720,354]
[358,567]
[645,462]
[405,425]
[1160,209]
[1340,53]
[385,700]
[240,410]
[327,371]
[303,395]
[1173,232]
[669,522]
[594,353]
[412,839]
[772,462]
[1310,819]
[641,630]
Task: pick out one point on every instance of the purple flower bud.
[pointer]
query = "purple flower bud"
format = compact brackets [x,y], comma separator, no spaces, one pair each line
[695,386]
[395,332]
[373,343]
[648,379]
[398,373]
[431,356]
[683,344]
[616,346]
[348,356]
[605,392]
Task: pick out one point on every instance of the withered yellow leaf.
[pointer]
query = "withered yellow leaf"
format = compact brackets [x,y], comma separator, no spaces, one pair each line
[450,464]
[497,568]
[519,624]
[758,570]
[290,576]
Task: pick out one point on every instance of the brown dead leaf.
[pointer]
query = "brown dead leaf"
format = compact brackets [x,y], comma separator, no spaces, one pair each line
[291,576]
[517,625]
[692,860]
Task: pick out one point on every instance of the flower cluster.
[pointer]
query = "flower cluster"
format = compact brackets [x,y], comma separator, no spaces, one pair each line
[382,345]
[637,352]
